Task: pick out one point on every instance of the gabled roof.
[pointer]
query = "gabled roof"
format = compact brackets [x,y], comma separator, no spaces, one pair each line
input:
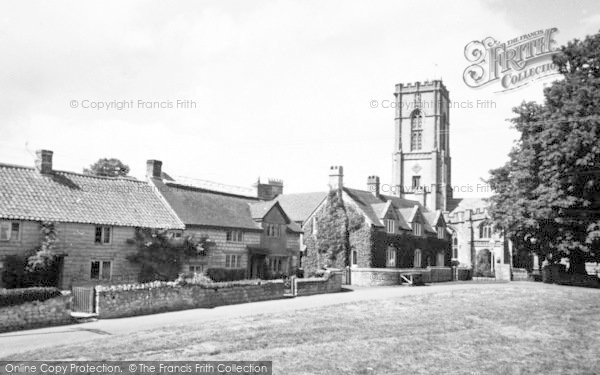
[198,206]
[462,204]
[59,196]
[259,209]
[300,206]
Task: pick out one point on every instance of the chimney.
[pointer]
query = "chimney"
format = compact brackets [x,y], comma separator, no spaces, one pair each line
[269,190]
[43,161]
[336,177]
[373,185]
[153,168]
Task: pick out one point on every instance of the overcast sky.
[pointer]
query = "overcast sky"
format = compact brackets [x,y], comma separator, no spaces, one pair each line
[282,88]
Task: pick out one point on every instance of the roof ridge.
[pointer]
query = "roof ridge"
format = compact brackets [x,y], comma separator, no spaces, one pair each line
[204,190]
[15,166]
[112,178]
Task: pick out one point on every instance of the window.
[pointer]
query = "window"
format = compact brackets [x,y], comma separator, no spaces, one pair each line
[417,229]
[314,225]
[454,245]
[102,235]
[100,270]
[177,234]
[485,231]
[273,230]
[440,259]
[9,230]
[417,259]
[277,264]
[441,232]
[391,257]
[416,131]
[390,225]
[235,236]
[416,182]
[233,261]
[197,269]
[354,257]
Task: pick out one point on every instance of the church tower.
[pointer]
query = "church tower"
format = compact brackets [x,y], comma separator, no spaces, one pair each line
[421,160]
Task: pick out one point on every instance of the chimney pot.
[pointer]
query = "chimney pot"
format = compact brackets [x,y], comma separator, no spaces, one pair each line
[153,168]
[43,161]
[336,177]
[373,185]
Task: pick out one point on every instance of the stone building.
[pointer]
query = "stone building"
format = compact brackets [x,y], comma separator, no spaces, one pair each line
[422,170]
[94,219]
[248,231]
[394,233]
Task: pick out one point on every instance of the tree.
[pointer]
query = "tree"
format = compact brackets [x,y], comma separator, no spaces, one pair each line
[108,168]
[161,257]
[546,195]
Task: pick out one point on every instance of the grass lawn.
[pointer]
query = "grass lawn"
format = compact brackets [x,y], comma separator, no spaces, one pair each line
[521,328]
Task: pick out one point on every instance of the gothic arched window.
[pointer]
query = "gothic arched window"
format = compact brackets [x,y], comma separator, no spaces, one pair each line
[416,130]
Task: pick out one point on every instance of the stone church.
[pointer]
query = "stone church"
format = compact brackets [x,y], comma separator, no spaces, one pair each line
[422,171]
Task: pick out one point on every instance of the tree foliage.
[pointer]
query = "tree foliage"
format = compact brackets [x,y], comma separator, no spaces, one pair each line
[162,257]
[107,168]
[549,190]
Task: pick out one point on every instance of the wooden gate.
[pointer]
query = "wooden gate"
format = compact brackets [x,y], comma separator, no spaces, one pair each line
[84,298]
[289,287]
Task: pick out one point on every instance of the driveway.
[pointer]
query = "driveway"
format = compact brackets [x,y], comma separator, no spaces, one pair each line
[12,343]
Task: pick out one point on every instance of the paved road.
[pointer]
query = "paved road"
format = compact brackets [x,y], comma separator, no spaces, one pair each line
[12,343]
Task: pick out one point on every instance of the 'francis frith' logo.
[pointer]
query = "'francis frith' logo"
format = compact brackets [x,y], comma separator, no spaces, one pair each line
[512,64]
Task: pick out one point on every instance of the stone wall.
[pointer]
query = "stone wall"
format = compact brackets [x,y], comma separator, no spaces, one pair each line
[391,276]
[115,303]
[331,283]
[54,311]
[520,274]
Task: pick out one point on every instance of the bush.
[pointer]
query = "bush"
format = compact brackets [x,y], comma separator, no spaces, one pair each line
[226,274]
[12,297]
[13,274]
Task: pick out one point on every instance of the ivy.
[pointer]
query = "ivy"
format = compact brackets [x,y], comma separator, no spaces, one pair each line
[335,222]
[161,257]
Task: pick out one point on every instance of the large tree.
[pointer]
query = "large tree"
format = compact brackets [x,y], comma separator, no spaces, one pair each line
[548,194]
[108,168]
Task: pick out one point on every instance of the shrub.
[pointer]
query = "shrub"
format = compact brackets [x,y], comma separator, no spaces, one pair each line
[12,297]
[226,274]
[13,274]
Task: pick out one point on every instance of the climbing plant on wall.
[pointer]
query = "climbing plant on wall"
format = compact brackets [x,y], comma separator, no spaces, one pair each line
[335,222]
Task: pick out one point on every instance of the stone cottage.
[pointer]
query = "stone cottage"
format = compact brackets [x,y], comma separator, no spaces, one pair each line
[247,231]
[94,218]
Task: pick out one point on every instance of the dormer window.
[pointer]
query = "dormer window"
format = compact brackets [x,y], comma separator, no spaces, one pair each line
[441,232]
[417,229]
[390,225]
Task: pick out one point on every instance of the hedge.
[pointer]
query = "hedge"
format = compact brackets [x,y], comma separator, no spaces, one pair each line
[226,274]
[12,297]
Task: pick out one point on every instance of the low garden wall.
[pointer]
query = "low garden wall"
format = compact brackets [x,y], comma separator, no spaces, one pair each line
[391,276]
[140,299]
[35,314]
[330,283]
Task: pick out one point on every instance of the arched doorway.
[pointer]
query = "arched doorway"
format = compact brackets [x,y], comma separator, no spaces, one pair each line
[483,264]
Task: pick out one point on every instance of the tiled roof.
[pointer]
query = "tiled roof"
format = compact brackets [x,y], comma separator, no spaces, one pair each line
[197,206]
[461,204]
[298,207]
[258,210]
[26,194]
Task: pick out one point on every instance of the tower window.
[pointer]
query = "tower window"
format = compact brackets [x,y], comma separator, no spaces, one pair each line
[416,182]
[416,131]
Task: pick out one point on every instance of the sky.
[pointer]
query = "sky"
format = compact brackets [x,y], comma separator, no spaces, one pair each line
[279,89]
